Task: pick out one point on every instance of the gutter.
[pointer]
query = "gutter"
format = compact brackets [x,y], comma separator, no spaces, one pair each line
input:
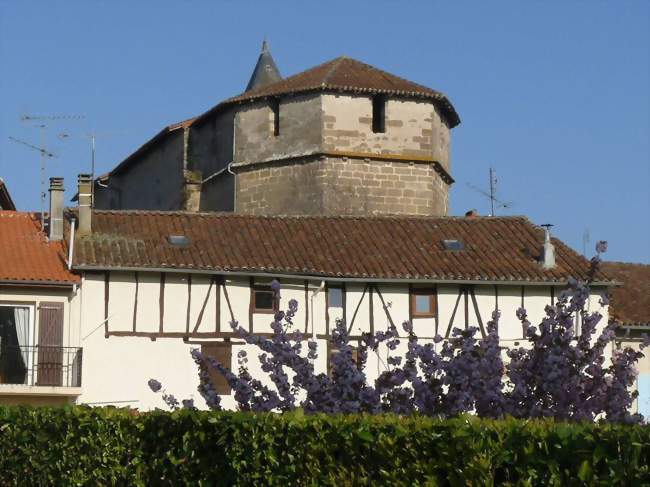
[329,278]
[32,283]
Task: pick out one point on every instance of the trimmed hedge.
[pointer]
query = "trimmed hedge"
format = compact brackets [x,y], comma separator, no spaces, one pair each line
[80,445]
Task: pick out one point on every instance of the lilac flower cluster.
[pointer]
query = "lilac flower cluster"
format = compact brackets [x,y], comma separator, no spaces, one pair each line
[560,373]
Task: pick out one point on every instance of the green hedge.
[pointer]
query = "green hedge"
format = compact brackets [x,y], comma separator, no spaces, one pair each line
[79,445]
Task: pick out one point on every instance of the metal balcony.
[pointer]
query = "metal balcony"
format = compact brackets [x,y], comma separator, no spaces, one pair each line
[40,365]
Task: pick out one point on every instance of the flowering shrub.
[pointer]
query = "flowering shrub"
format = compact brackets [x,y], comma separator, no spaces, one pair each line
[556,376]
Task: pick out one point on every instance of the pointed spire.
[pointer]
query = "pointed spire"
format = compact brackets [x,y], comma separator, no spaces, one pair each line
[265,72]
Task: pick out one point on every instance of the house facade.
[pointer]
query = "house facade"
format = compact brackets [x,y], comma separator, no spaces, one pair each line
[40,357]
[154,285]
[630,310]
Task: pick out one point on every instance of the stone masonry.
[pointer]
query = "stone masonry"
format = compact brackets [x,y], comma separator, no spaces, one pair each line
[342,186]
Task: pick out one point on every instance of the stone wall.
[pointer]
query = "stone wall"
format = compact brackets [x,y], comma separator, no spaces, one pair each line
[341,186]
[412,128]
[300,129]
[153,181]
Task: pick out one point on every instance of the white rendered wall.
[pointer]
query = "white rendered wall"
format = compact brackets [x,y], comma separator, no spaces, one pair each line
[116,369]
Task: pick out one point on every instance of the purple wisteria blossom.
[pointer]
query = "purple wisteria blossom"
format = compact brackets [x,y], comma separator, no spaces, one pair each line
[561,372]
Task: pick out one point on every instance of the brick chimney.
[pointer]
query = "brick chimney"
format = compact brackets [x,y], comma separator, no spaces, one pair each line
[55,221]
[548,250]
[192,191]
[85,209]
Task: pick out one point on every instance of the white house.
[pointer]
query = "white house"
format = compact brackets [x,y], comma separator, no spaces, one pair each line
[40,356]
[155,284]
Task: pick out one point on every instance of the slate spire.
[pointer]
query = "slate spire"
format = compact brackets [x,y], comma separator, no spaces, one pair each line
[265,72]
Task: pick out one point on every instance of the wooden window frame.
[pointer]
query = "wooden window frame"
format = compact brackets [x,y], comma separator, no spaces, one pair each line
[424,291]
[219,382]
[262,288]
[341,288]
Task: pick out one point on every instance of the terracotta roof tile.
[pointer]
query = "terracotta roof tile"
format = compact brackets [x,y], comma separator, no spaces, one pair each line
[393,247]
[26,255]
[629,303]
[350,75]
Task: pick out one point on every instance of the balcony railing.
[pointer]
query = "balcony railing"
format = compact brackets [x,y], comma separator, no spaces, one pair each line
[40,365]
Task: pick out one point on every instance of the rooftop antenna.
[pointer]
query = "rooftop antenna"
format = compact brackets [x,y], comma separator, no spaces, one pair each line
[492,195]
[44,154]
[92,137]
[40,124]
[586,237]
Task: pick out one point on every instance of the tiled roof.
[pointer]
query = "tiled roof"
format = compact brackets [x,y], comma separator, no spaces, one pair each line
[6,203]
[350,75]
[26,255]
[630,303]
[410,248]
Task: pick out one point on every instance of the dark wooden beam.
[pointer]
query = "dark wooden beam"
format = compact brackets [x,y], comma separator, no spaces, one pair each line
[161,301]
[356,310]
[107,286]
[383,303]
[225,295]
[205,303]
[306,305]
[477,311]
[371,309]
[251,303]
[189,303]
[453,314]
[135,302]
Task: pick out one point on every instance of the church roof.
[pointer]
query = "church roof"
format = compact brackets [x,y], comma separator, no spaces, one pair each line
[352,76]
[265,72]
[492,249]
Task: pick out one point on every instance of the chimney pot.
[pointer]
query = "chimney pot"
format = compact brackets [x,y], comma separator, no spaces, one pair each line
[85,209]
[548,250]
[55,220]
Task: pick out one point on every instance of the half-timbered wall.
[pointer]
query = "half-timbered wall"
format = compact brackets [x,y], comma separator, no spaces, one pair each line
[143,325]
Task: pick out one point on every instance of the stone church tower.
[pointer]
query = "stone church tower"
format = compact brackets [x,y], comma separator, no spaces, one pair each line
[342,138]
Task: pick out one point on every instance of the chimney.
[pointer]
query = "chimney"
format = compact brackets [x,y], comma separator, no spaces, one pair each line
[85,214]
[471,214]
[548,251]
[55,222]
[192,191]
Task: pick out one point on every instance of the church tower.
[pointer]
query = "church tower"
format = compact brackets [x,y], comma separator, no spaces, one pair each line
[343,138]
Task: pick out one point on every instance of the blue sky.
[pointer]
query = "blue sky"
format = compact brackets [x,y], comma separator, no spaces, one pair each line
[554,95]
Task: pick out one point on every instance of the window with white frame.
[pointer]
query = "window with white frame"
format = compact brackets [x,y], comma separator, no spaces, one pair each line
[16,343]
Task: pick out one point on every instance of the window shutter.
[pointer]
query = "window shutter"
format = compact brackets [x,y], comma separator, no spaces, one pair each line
[50,343]
[222,353]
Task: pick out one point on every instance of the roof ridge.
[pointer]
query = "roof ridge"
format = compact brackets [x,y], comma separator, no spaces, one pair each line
[229,214]
[335,64]
[391,75]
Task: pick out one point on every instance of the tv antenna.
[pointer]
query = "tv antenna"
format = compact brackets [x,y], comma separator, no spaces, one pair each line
[41,125]
[92,136]
[586,237]
[44,154]
[492,195]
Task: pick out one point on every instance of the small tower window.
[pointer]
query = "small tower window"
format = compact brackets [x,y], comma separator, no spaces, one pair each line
[378,114]
[275,107]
